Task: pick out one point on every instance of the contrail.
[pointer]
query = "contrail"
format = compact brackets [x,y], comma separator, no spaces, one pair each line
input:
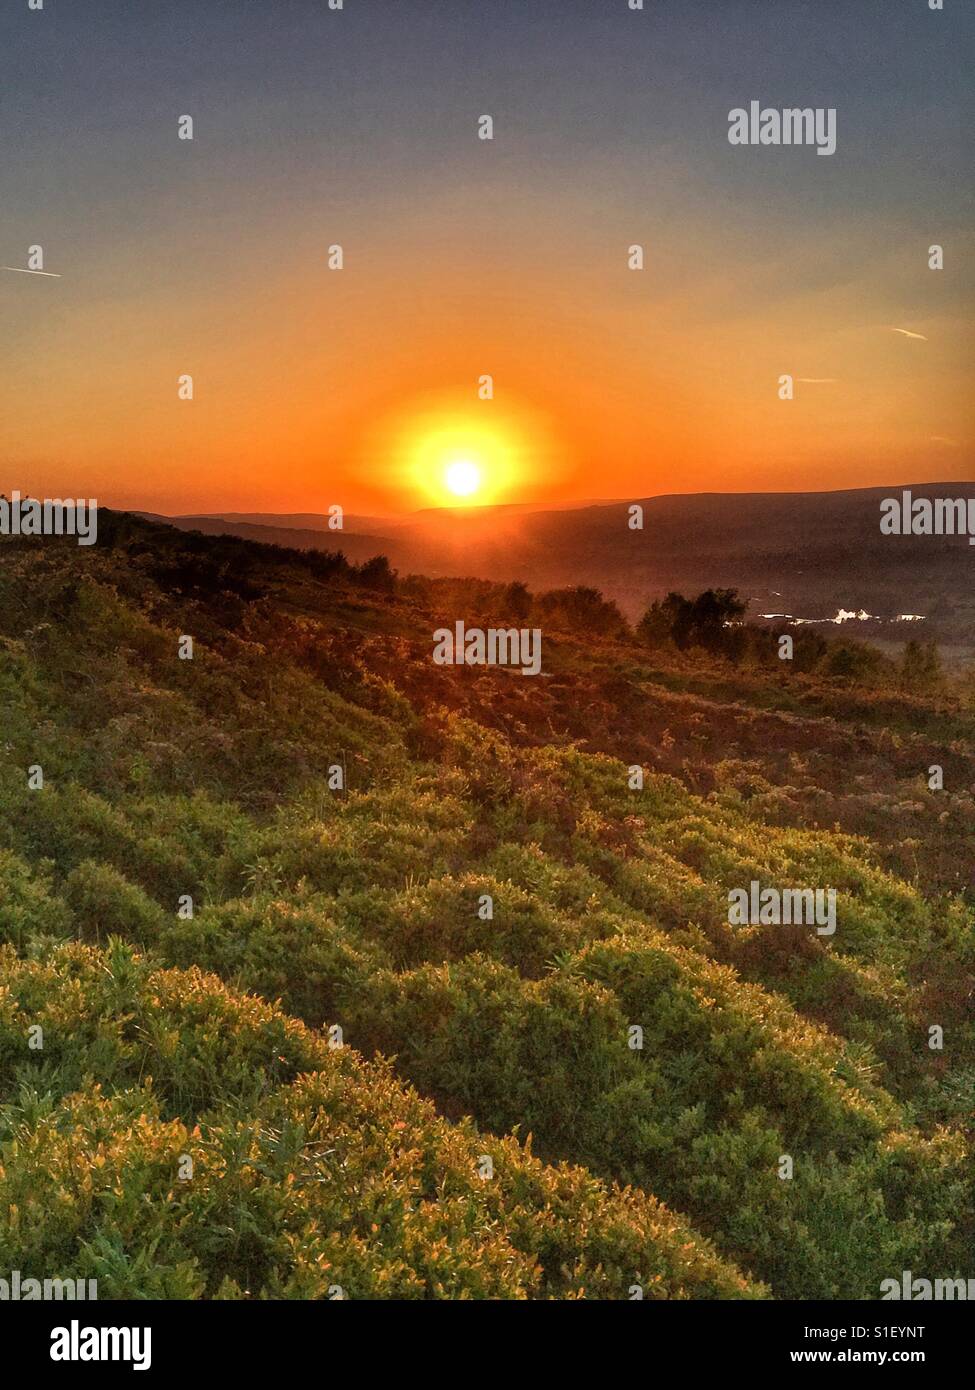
[21,271]
[908,334]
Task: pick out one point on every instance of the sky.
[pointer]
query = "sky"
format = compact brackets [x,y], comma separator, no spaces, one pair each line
[465,258]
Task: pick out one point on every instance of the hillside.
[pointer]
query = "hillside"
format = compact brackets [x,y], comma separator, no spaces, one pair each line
[316,1167]
[804,554]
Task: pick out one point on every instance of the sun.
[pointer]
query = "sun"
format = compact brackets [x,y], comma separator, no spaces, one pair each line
[456,458]
[462,477]
[434,452]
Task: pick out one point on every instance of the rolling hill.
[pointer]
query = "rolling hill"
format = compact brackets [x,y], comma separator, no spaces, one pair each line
[285,1049]
[808,555]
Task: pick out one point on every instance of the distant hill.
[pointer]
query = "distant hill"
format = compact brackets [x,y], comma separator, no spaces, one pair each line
[354,547]
[804,554]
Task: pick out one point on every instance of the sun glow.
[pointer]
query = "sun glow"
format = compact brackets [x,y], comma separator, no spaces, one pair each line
[463,477]
[462,458]
[435,453]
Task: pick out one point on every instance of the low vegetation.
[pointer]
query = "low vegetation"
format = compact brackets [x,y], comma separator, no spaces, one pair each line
[309,834]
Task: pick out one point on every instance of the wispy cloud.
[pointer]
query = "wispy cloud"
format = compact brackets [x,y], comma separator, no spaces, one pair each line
[908,334]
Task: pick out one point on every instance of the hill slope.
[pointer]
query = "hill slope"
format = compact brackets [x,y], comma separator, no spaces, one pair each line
[363,908]
[805,554]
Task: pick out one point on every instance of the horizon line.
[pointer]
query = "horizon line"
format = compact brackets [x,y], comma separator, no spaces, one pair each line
[571,505]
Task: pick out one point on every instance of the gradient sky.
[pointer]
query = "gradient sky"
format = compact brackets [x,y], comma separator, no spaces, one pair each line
[466,257]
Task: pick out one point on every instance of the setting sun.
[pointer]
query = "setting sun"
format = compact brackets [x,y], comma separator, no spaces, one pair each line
[459,455]
[463,477]
[434,450]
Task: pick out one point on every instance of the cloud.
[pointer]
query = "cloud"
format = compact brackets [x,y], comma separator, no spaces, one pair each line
[908,334]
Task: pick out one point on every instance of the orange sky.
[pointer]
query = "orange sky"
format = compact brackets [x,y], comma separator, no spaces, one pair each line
[314,387]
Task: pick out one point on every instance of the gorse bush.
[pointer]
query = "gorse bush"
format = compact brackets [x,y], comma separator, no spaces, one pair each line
[182,1141]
